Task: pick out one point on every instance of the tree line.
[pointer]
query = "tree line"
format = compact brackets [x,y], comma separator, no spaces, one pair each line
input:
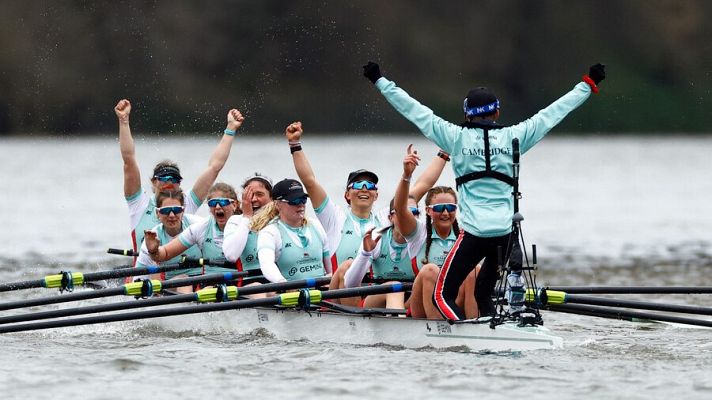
[184,64]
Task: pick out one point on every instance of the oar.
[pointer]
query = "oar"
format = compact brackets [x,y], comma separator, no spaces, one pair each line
[554,297]
[203,296]
[633,289]
[290,299]
[141,288]
[123,252]
[67,280]
[597,311]
[186,262]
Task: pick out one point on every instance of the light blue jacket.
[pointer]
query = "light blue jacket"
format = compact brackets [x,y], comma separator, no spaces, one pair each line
[486,205]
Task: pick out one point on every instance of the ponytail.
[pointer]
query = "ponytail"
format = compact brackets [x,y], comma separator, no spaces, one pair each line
[263,217]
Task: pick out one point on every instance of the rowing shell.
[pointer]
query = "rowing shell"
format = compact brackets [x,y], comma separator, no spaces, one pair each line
[333,327]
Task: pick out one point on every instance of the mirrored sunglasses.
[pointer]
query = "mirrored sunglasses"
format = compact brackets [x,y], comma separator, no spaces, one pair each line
[440,207]
[171,209]
[368,185]
[224,202]
[297,201]
[168,178]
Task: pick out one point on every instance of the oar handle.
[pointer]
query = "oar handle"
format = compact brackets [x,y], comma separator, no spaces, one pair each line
[123,252]
[199,262]
[366,290]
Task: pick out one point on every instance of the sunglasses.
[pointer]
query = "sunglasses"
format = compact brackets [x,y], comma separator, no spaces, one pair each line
[440,207]
[171,209]
[219,200]
[368,185]
[296,202]
[413,210]
[168,178]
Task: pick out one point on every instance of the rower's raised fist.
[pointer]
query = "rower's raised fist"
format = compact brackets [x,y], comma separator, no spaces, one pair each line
[123,109]
[294,131]
[234,119]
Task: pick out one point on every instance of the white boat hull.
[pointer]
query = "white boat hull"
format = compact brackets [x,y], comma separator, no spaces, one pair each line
[317,326]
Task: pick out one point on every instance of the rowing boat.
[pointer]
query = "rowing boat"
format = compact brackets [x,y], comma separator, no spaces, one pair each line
[372,328]
[295,315]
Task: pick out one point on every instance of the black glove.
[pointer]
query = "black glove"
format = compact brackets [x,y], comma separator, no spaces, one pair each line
[372,71]
[597,73]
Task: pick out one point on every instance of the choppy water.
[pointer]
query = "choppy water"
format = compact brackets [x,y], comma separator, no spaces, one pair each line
[602,210]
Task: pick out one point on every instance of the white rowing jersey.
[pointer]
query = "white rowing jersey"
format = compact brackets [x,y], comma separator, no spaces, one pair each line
[240,243]
[294,253]
[344,230]
[145,260]
[389,260]
[142,213]
[209,238]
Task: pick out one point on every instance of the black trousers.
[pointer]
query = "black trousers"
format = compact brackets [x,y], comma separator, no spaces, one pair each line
[465,254]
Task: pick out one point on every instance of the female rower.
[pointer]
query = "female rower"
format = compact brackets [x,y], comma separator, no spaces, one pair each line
[289,245]
[482,153]
[392,261]
[208,235]
[171,212]
[166,174]
[240,244]
[345,228]
[434,239]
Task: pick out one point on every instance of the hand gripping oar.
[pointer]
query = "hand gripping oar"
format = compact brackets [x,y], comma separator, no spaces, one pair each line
[66,280]
[291,299]
[203,296]
[142,288]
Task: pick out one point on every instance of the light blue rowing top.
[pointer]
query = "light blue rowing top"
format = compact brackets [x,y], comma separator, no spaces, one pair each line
[303,260]
[394,262]
[486,205]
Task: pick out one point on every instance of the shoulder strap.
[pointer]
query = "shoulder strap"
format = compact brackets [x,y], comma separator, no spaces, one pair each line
[488,172]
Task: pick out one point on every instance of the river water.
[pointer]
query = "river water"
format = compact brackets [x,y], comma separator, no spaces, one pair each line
[618,210]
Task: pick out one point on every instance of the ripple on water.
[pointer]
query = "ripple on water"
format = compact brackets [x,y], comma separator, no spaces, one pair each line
[125,364]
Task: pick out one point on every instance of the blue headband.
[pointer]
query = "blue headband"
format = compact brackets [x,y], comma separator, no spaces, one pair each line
[479,110]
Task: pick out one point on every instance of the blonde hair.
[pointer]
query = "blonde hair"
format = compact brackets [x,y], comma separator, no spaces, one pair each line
[267,214]
[264,217]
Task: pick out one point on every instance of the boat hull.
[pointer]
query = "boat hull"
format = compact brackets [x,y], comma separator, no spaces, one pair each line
[331,327]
